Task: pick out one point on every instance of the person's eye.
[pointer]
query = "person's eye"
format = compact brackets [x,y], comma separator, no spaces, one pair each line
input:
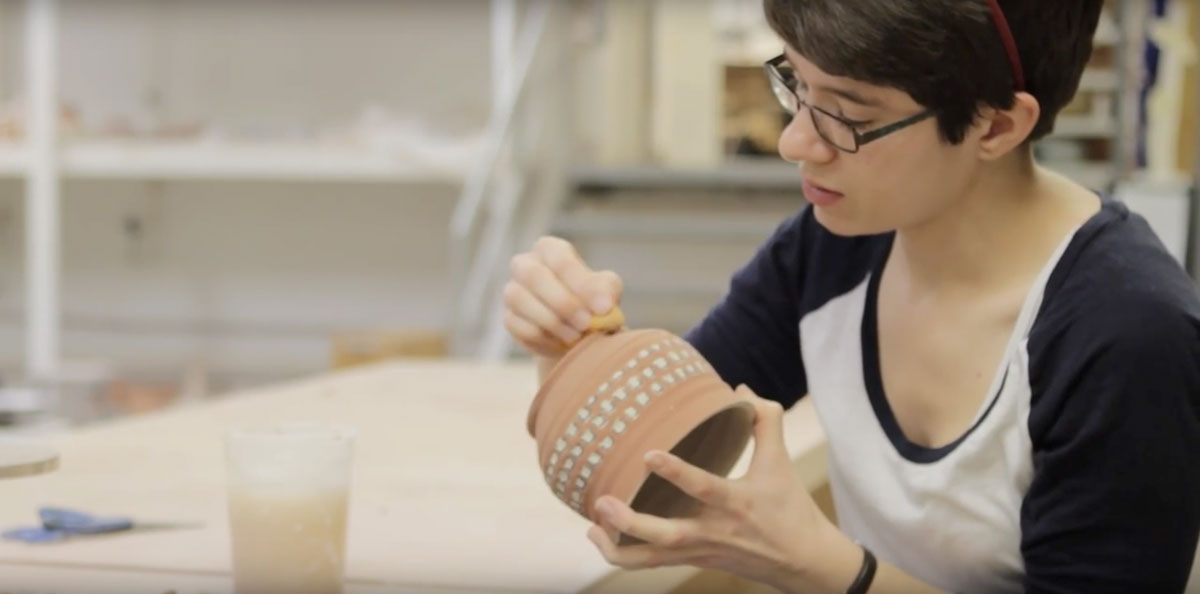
[853,122]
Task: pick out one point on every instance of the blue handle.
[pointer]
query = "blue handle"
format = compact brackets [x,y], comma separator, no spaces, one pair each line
[77,522]
[34,535]
[61,523]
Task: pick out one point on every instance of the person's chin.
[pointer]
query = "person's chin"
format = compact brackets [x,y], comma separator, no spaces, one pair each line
[839,220]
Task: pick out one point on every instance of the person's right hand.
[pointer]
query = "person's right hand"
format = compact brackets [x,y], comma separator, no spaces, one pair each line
[552,296]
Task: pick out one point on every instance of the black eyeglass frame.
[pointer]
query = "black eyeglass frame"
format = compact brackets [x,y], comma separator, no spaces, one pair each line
[860,138]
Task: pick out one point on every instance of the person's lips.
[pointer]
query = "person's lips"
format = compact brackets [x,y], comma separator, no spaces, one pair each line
[820,195]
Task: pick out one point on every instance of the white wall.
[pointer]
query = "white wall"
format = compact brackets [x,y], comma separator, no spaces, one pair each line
[252,278]
[249,276]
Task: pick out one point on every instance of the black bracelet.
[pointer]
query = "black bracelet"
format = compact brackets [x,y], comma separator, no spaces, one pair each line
[865,575]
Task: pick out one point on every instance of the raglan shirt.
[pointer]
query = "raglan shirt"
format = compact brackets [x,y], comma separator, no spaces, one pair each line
[1080,471]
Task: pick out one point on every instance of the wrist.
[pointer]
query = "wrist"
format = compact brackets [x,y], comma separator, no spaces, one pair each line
[832,566]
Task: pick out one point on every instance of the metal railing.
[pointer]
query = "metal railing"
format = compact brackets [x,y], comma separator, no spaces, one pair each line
[512,193]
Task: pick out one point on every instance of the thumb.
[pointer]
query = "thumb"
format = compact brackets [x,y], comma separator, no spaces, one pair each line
[770,448]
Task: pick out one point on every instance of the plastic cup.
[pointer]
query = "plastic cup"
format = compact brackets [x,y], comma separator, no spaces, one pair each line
[288,494]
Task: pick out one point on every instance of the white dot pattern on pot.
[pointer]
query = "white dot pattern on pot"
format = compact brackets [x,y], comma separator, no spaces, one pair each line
[583,445]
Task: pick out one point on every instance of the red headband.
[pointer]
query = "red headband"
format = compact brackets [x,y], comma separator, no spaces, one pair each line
[1010,45]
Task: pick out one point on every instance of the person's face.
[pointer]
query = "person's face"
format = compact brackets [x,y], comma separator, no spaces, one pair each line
[896,181]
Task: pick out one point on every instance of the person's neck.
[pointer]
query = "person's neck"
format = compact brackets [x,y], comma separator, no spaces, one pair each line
[991,236]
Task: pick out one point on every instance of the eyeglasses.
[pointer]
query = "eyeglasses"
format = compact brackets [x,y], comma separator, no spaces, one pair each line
[838,131]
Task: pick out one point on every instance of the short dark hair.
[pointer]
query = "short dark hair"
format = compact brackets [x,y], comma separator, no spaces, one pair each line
[947,54]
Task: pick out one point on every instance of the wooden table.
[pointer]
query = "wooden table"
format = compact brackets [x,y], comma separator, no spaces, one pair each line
[447,495]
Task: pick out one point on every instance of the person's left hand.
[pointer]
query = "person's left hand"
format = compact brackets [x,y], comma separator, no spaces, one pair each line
[763,526]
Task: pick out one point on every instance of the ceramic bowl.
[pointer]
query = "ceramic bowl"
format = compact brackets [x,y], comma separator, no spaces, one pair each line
[615,396]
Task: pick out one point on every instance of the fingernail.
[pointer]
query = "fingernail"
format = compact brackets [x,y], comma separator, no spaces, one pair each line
[568,335]
[601,304]
[653,459]
[604,509]
[581,320]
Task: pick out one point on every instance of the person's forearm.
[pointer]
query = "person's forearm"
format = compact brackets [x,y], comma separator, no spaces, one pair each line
[839,566]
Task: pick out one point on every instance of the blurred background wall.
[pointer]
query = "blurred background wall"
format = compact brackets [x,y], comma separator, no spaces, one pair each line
[250,191]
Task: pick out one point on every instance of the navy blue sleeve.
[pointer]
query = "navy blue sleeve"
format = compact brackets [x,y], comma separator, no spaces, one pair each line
[752,336]
[1114,503]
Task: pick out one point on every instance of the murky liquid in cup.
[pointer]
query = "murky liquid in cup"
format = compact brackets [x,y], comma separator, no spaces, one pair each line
[289,487]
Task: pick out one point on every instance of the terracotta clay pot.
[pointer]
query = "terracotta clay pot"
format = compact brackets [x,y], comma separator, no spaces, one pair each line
[612,398]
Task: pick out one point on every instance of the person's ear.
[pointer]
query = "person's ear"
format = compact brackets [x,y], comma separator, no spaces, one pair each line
[1006,129]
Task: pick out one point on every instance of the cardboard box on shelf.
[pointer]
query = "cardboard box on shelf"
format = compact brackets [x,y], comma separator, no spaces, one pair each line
[361,347]
[129,396]
[753,118]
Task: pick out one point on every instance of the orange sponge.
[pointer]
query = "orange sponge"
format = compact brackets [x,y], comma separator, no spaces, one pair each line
[610,322]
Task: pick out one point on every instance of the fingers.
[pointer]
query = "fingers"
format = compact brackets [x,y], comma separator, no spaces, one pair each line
[553,296]
[540,320]
[599,291]
[662,532]
[706,487]
[545,286]
[641,556]
[630,557]
[770,449]
[532,337]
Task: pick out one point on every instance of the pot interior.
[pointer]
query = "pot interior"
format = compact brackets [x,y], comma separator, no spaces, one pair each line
[714,445]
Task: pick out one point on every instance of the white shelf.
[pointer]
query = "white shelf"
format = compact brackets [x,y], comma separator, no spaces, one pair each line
[233,161]
[14,160]
[766,173]
[663,226]
[183,160]
[220,160]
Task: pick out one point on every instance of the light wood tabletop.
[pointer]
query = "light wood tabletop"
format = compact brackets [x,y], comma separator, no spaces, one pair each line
[446,494]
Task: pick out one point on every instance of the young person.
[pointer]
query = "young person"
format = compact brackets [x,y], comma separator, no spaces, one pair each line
[1006,364]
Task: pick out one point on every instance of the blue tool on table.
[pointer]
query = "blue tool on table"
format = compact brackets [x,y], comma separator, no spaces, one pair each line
[61,523]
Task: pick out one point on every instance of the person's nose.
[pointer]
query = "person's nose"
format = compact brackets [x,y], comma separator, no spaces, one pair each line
[801,143]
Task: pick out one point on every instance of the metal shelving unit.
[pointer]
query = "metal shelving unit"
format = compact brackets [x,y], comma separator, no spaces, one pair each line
[45,157]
